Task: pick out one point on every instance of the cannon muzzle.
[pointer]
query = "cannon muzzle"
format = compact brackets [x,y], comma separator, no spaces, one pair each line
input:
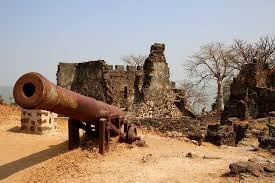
[34,91]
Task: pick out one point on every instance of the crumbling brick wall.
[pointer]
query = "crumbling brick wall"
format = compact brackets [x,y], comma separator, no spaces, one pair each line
[252,92]
[158,98]
[181,102]
[108,83]
[87,78]
[122,84]
[146,90]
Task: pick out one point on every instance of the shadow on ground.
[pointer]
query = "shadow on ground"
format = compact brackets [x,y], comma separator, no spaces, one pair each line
[15,129]
[10,168]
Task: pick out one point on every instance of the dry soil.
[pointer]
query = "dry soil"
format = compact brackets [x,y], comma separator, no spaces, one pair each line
[45,158]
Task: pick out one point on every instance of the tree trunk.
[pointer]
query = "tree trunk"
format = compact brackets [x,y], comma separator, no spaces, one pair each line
[220,103]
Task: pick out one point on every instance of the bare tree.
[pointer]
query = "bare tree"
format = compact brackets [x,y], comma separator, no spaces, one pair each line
[212,62]
[244,53]
[195,96]
[134,60]
[263,51]
[226,92]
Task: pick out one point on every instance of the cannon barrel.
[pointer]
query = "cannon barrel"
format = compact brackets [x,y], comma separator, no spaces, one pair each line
[34,91]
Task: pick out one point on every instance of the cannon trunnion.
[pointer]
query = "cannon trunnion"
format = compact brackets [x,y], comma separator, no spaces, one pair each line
[34,91]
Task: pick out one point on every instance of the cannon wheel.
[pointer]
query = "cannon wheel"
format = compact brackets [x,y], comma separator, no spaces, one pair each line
[131,134]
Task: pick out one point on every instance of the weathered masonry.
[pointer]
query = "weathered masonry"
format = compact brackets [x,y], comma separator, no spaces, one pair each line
[147,91]
[38,121]
[252,92]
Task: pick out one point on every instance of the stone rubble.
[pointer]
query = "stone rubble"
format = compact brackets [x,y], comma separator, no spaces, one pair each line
[253,167]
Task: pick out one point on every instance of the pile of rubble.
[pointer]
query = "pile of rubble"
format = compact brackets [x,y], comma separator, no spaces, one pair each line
[158,109]
[228,133]
[267,142]
[267,139]
[176,127]
[253,167]
[246,114]
[235,132]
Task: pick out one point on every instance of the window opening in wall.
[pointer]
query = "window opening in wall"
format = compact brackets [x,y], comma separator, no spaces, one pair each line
[125,92]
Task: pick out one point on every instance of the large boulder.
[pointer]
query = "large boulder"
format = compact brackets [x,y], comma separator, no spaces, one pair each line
[253,167]
[245,167]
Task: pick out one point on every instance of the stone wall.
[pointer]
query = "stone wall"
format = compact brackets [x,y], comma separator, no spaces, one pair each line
[122,84]
[252,92]
[65,74]
[87,78]
[147,91]
[158,98]
[112,84]
[38,121]
[186,125]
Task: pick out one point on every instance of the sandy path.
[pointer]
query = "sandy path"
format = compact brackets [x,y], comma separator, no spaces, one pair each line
[20,151]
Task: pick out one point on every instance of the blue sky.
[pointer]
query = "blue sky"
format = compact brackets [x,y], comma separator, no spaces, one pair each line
[35,35]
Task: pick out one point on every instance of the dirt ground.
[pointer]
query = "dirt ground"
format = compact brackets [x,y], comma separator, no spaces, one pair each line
[45,158]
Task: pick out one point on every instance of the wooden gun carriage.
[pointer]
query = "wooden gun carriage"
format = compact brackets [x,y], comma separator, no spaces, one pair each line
[33,91]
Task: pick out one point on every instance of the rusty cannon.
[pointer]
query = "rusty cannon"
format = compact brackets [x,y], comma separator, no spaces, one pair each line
[34,91]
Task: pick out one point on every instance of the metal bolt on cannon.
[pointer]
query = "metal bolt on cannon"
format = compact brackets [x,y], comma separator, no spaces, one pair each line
[34,91]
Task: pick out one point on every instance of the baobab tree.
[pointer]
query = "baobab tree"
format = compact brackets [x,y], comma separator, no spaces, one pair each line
[212,62]
[134,60]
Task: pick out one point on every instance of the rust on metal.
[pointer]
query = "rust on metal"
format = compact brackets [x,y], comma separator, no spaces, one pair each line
[34,91]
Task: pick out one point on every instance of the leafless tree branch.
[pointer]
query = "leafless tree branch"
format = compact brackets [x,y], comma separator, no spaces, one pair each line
[212,62]
[194,94]
[134,60]
[262,51]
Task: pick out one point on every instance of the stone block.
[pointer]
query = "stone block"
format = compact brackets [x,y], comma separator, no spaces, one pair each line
[38,121]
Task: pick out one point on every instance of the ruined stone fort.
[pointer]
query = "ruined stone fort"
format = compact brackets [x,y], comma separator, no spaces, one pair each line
[146,91]
[252,92]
